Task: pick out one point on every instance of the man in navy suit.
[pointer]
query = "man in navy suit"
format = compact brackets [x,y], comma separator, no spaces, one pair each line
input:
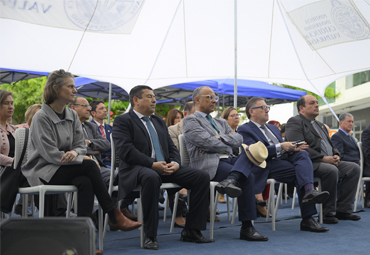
[148,157]
[344,142]
[99,113]
[286,162]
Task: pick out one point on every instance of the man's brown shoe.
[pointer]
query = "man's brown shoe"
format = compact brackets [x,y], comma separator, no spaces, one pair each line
[123,223]
[125,211]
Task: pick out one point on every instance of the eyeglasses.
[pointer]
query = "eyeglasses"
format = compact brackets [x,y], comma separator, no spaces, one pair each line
[234,115]
[211,97]
[84,105]
[263,107]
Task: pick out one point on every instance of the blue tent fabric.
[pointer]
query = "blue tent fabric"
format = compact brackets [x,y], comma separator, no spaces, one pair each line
[245,88]
[14,75]
[179,94]
[87,87]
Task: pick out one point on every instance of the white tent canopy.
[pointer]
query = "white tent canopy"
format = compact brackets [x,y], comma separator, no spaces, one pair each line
[306,43]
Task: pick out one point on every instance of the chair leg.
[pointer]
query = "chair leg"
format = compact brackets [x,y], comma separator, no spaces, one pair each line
[101,230]
[69,202]
[24,206]
[228,207]
[294,195]
[42,203]
[174,211]
[166,205]
[140,219]
[212,209]
[235,208]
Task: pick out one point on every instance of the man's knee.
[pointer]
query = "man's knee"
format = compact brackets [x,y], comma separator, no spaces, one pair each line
[327,171]
[151,178]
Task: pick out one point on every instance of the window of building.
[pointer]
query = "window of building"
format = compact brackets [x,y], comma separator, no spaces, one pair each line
[357,79]
[359,126]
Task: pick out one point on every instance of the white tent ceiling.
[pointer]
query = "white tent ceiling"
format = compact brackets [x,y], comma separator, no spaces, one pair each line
[305,43]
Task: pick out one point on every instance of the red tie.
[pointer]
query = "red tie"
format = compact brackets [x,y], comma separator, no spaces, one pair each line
[102,132]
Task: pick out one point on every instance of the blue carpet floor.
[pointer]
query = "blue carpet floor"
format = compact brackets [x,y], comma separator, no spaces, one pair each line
[346,237]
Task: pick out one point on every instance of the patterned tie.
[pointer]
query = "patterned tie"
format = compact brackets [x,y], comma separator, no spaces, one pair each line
[209,117]
[269,135]
[102,132]
[155,140]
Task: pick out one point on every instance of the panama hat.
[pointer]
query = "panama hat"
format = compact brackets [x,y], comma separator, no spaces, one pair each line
[257,153]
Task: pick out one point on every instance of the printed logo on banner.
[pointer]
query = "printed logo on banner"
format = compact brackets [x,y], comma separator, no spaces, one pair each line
[348,21]
[109,14]
[329,22]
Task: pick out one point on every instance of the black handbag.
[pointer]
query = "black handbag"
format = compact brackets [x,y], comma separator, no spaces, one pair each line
[9,181]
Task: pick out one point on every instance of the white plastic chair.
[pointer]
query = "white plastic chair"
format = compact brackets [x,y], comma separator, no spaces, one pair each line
[41,190]
[361,180]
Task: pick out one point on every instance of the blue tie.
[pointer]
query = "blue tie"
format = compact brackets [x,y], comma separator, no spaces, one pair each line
[155,140]
[209,117]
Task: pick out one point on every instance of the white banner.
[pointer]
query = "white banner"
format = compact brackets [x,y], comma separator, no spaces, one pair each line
[330,22]
[102,16]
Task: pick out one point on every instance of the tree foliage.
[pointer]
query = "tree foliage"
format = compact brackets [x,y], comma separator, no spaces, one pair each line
[25,94]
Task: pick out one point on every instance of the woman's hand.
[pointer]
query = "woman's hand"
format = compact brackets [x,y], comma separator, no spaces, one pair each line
[91,158]
[69,156]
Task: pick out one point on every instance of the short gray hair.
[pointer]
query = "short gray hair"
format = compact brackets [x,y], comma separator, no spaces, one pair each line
[343,116]
[197,92]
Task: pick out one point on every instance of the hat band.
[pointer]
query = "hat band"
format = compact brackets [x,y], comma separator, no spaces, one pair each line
[249,153]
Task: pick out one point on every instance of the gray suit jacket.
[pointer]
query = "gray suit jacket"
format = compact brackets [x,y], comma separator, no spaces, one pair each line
[100,143]
[199,134]
[50,139]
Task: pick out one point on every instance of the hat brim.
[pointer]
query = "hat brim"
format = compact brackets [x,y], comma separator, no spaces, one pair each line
[251,159]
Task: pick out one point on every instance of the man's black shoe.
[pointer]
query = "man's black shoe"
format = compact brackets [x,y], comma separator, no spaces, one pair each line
[315,197]
[347,216]
[312,226]
[151,243]
[195,236]
[229,187]
[367,203]
[251,234]
[330,220]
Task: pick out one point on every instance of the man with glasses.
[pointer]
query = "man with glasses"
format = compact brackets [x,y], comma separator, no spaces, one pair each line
[95,143]
[326,161]
[210,143]
[287,162]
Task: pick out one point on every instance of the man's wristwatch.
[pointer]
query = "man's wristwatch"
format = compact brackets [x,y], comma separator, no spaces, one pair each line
[91,144]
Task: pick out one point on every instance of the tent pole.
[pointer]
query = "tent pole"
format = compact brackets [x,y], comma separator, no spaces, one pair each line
[236,53]
[110,102]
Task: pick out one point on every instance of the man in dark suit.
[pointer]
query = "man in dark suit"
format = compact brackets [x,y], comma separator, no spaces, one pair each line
[365,139]
[210,143]
[344,142]
[99,113]
[148,157]
[326,161]
[286,162]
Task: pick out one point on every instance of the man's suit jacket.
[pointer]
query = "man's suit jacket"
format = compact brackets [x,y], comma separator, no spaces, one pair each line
[252,134]
[347,147]
[134,149]
[300,128]
[365,139]
[200,134]
[100,143]
[108,132]
[175,131]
